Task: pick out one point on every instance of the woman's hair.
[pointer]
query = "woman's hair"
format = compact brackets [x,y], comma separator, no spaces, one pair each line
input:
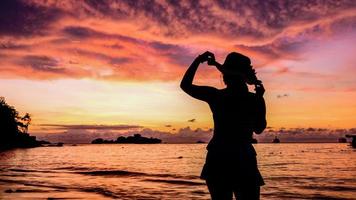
[238,66]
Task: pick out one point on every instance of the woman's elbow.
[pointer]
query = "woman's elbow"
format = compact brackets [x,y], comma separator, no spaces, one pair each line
[185,87]
[261,127]
[182,86]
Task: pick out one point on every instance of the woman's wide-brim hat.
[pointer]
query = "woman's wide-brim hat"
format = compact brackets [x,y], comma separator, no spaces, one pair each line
[236,64]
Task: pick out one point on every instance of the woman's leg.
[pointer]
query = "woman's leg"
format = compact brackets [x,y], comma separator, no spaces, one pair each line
[247,193]
[219,190]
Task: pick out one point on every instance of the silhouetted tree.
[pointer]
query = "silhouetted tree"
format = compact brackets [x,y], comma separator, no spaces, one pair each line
[24,122]
[98,141]
[8,119]
[14,128]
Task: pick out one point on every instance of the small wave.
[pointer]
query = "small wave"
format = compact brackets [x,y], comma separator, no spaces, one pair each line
[96,190]
[280,164]
[34,183]
[296,178]
[101,191]
[290,195]
[179,182]
[27,191]
[73,168]
[10,181]
[30,170]
[326,197]
[200,192]
[112,173]
[13,175]
[329,188]
[21,170]
[116,173]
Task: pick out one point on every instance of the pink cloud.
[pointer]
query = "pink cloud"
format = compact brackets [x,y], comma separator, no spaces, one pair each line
[121,40]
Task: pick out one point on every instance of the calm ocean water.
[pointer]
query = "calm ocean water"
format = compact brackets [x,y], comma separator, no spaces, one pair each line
[170,171]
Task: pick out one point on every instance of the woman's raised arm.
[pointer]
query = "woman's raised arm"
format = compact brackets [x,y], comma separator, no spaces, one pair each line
[199,92]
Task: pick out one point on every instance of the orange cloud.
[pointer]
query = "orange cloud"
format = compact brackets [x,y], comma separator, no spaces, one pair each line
[120,40]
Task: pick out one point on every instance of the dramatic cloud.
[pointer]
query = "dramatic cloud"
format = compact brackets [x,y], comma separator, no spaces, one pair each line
[18,18]
[42,63]
[140,40]
[247,19]
[10,45]
[284,48]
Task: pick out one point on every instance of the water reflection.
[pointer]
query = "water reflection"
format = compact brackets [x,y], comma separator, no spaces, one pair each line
[166,171]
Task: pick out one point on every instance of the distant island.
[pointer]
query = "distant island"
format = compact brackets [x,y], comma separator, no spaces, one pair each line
[276,140]
[13,128]
[135,139]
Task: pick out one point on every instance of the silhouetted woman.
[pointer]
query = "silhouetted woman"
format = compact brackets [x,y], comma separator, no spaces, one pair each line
[231,166]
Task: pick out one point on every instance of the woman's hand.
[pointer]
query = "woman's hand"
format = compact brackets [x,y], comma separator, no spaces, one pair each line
[260,90]
[207,56]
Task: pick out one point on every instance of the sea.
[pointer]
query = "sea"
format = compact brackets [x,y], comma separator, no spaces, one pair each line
[170,171]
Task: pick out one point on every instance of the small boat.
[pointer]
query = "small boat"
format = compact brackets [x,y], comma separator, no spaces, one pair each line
[276,140]
[342,140]
[353,142]
[59,144]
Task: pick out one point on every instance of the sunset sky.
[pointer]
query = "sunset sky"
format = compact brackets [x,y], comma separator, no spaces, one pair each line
[116,65]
